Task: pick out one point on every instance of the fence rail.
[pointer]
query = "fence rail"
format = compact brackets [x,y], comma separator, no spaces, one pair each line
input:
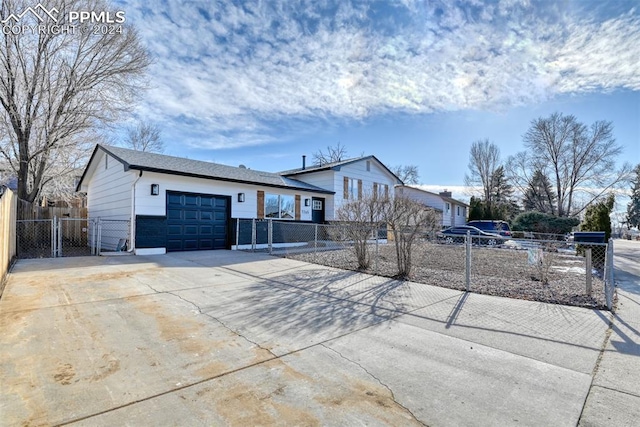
[548,269]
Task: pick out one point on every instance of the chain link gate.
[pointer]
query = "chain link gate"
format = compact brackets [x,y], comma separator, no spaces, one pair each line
[69,237]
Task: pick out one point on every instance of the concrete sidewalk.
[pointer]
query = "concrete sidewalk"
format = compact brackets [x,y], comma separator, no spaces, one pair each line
[614,399]
[243,339]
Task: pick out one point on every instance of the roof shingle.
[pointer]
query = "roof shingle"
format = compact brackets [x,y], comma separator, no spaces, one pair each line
[152,162]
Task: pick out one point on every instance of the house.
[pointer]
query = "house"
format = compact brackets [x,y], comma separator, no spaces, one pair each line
[182,204]
[454,212]
[347,179]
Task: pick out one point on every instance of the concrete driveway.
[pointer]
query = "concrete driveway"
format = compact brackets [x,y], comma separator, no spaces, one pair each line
[231,338]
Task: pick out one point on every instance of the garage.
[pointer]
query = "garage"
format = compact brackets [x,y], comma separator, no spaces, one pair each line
[197,221]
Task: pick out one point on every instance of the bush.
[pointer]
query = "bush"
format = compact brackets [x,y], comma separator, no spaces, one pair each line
[539,222]
[597,217]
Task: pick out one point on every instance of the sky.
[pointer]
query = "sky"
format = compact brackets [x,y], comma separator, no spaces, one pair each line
[261,83]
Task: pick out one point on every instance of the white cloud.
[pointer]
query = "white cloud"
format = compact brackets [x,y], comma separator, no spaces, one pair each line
[242,68]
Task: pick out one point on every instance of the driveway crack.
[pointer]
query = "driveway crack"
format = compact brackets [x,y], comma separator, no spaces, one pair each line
[223,324]
[393,397]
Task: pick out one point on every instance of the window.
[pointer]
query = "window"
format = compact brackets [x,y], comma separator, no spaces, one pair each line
[317,205]
[381,190]
[279,207]
[458,207]
[106,162]
[368,166]
[448,206]
[271,206]
[353,189]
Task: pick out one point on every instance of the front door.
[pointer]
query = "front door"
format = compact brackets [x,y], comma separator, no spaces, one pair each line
[317,210]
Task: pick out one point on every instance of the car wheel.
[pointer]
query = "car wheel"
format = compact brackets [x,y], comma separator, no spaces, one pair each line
[449,240]
[492,242]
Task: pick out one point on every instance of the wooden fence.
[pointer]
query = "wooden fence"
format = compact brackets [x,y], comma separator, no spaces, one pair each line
[8,215]
[28,210]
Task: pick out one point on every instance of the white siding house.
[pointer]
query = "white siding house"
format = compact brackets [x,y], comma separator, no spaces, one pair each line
[347,179]
[109,190]
[454,212]
[180,204]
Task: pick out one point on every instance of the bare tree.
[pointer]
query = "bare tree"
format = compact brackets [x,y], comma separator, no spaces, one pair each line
[55,87]
[333,154]
[360,219]
[144,136]
[484,159]
[408,219]
[577,157]
[408,174]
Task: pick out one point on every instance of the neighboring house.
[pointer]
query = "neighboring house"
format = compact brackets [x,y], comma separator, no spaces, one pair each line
[348,179]
[454,212]
[181,204]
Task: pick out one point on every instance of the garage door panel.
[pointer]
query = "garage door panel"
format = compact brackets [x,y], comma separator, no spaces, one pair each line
[206,244]
[196,221]
[207,202]
[174,214]
[174,230]
[190,244]
[174,245]
[189,215]
[190,230]
[174,199]
[191,200]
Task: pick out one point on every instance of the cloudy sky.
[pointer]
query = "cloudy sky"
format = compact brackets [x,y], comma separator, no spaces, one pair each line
[261,83]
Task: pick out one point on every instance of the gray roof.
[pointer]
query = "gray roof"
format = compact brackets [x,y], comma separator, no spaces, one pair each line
[152,162]
[335,166]
[444,198]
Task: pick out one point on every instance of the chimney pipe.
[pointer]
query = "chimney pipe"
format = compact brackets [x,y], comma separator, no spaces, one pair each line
[304,162]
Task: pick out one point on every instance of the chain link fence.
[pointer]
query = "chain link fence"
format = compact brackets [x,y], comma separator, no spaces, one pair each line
[68,237]
[35,238]
[111,236]
[547,268]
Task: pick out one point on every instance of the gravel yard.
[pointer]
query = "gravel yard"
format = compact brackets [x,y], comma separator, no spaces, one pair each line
[494,271]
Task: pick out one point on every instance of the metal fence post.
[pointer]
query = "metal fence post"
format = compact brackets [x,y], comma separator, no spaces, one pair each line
[60,231]
[270,236]
[377,235]
[315,239]
[237,233]
[54,237]
[589,276]
[468,262]
[93,237]
[99,239]
[253,235]
[609,284]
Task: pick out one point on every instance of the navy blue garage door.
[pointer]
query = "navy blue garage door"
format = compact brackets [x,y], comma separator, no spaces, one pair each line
[197,221]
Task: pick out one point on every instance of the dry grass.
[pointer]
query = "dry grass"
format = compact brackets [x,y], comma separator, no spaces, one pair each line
[494,271]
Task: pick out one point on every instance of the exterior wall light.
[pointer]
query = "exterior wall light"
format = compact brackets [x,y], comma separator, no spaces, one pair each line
[240,197]
[155,189]
[307,202]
